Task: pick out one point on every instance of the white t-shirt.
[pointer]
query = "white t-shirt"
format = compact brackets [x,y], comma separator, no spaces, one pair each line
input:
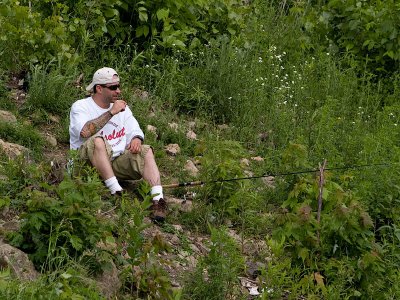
[118,131]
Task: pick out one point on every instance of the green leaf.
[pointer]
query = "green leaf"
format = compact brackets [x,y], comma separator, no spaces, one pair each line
[390,53]
[162,14]
[66,275]
[76,242]
[145,30]
[231,31]
[109,12]
[397,234]
[139,31]
[303,253]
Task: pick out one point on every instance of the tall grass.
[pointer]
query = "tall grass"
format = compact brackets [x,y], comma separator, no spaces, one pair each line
[51,90]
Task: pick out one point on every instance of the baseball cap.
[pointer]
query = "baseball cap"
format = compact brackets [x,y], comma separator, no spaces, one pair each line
[103,76]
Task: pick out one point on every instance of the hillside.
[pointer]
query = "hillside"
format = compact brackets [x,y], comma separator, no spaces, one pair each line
[279,120]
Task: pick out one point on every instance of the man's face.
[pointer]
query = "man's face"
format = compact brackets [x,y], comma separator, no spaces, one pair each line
[110,92]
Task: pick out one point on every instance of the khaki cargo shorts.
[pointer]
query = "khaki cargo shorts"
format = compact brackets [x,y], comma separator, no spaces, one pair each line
[126,166]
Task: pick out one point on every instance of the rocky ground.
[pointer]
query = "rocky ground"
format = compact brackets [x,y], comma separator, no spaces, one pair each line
[186,247]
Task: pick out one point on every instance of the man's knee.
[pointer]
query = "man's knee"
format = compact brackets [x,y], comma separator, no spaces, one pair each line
[149,152]
[99,143]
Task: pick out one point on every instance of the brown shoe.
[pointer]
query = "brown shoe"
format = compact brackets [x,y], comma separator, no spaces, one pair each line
[158,210]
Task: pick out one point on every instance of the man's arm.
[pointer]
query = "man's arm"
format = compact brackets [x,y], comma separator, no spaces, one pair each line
[93,126]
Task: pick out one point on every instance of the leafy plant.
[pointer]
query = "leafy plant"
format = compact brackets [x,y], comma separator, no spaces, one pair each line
[340,236]
[216,274]
[27,37]
[62,222]
[62,284]
[142,269]
[365,30]
[221,162]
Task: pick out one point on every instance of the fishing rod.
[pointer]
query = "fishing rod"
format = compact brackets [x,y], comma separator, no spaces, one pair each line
[196,183]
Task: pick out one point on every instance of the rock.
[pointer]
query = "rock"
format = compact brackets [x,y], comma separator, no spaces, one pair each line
[174,240]
[7,117]
[108,282]
[13,150]
[248,173]
[269,181]
[194,248]
[264,136]
[173,149]
[51,140]
[257,158]
[18,263]
[12,225]
[177,227]
[245,162]
[141,94]
[253,269]
[192,261]
[182,205]
[191,168]
[223,126]
[192,124]
[191,135]
[152,129]
[173,126]
[54,119]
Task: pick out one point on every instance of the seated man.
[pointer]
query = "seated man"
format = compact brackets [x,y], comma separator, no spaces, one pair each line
[104,131]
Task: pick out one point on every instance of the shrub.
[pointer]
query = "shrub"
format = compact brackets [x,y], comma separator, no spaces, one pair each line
[364,30]
[61,222]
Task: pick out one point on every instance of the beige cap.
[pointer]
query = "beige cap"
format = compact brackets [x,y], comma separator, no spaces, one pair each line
[103,76]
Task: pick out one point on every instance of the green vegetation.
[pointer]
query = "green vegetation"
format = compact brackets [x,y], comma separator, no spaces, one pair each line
[291,83]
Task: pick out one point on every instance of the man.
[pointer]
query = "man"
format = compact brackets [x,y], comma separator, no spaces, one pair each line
[104,131]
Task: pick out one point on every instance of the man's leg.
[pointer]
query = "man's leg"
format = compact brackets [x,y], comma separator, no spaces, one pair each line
[143,165]
[152,175]
[101,161]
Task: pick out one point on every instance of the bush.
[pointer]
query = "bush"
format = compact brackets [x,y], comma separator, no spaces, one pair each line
[61,222]
[364,30]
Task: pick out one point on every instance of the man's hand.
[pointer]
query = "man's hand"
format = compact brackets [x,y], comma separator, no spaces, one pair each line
[135,146]
[118,106]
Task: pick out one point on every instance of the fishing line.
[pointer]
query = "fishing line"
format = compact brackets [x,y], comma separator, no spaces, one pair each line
[195,183]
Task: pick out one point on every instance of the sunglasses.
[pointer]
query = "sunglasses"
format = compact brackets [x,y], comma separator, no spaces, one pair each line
[112,87]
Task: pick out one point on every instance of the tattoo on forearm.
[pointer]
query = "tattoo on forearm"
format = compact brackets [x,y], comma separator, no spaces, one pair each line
[93,126]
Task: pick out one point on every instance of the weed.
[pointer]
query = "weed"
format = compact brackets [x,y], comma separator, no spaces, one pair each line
[216,274]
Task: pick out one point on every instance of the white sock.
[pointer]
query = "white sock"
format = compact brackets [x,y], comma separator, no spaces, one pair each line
[157,192]
[113,185]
